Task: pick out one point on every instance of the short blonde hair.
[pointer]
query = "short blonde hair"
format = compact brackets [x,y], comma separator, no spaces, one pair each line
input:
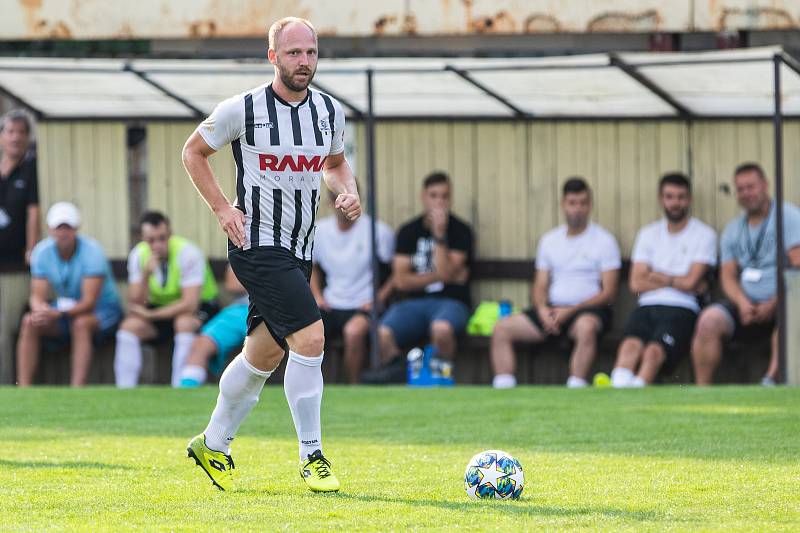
[278,26]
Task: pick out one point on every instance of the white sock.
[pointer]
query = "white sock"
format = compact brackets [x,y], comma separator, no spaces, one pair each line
[637,382]
[621,377]
[183,346]
[195,373]
[504,381]
[574,382]
[302,384]
[127,359]
[239,388]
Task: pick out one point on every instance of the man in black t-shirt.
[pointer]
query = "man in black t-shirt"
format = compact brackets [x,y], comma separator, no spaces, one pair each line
[19,193]
[431,267]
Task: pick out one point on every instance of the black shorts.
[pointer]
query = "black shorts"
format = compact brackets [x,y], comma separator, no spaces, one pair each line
[749,332]
[603,313]
[166,328]
[335,319]
[670,326]
[278,285]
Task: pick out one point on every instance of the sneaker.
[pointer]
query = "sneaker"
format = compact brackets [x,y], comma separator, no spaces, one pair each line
[316,472]
[218,466]
[767,381]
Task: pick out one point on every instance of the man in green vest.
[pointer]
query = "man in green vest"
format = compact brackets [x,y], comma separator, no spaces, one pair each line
[171,292]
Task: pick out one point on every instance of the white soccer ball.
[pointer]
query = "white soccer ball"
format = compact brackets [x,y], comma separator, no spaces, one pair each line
[494,474]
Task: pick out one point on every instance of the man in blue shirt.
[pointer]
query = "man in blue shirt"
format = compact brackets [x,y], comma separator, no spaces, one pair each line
[748,275]
[86,306]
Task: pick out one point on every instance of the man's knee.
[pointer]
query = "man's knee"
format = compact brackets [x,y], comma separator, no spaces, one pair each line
[27,326]
[84,323]
[355,330]
[441,330]
[654,353]
[503,330]
[186,323]
[309,341]
[712,324]
[385,335]
[585,328]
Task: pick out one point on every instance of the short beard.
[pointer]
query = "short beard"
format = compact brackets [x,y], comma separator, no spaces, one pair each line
[576,223]
[286,78]
[677,217]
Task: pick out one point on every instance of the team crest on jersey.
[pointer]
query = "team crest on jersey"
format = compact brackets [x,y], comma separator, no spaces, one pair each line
[324,125]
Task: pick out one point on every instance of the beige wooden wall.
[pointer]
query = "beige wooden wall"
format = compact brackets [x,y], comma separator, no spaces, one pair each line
[86,163]
[507,176]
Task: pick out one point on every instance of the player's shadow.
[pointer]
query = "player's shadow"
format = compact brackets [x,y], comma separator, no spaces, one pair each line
[523,507]
[82,465]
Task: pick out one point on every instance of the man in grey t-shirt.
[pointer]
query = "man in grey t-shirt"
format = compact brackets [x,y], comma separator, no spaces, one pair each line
[748,275]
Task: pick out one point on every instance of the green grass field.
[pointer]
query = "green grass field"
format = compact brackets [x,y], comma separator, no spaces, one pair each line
[664,458]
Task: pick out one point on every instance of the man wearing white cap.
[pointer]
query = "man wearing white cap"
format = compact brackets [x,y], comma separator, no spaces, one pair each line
[86,308]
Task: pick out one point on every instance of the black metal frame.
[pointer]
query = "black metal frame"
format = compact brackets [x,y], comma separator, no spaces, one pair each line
[683,114]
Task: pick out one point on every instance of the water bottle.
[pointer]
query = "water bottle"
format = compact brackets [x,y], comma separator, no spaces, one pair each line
[505,308]
[416,360]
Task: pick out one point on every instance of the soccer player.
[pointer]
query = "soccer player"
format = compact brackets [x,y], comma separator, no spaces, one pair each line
[285,138]
[748,275]
[670,260]
[577,275]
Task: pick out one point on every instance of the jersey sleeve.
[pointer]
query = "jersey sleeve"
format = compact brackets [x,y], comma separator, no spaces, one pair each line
[224,125]
[727,247]
[642,248]
[135,274]
[33,185]
[611,258]
[192,263]
[406,241]
[37,261]
[385,243]
[707,249]
[543,261]
[95,262]
[337,142]
[791,226]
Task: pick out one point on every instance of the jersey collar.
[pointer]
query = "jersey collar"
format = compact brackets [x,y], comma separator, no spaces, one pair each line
[284,102]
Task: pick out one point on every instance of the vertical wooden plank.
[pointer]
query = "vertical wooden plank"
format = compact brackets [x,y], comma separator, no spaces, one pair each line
[728,145]
[542,194]
[462,169]
[628,190]
[606,211]
[649,173]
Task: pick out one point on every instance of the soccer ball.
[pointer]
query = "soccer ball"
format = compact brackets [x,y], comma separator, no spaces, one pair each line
[494,474]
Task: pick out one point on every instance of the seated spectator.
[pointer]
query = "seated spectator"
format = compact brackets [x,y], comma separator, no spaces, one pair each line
[19,193]
[670,260]
[86,308]
[577,275]
[221,335]
[431,266]
[342,251]
[748,275]
[171,292]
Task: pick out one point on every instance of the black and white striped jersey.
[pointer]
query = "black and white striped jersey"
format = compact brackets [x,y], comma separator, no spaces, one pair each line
[279,149]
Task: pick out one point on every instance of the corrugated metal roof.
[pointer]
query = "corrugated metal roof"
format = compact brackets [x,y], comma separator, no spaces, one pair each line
[703,84]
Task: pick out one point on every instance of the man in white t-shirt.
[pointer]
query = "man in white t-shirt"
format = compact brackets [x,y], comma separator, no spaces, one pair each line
[577,275]
[670,260]
[171,293]
[342,252]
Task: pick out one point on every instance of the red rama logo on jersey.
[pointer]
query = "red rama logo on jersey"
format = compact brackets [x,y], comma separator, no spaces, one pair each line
[299,163]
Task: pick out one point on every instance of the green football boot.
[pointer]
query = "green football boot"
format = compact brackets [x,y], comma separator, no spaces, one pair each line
[316,472]
[217,465]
